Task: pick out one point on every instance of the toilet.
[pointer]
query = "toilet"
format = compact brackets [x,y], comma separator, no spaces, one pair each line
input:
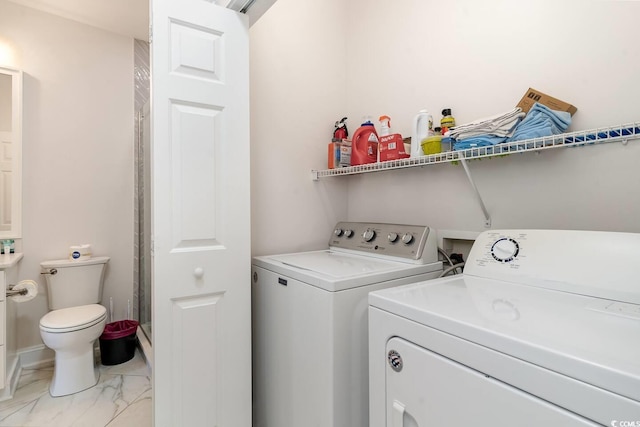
[76,320]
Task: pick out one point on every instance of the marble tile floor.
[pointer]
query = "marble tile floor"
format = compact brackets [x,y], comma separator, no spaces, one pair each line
[122,398]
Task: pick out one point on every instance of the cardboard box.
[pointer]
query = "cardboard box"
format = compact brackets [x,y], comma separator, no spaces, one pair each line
[333,155]
[532,96]
[391,148]
[345,154]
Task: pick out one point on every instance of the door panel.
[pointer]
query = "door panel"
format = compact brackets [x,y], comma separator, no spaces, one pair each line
[426,389]
[201,224]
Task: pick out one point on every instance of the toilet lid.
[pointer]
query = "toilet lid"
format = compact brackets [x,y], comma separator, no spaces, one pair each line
[73,318]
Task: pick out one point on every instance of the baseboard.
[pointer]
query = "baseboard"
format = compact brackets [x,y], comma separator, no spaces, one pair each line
[40,356]
[30,358]
[14,369]
[36,357]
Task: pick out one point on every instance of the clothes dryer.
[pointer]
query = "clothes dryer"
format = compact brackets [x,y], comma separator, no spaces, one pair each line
[542,329]
[309,310]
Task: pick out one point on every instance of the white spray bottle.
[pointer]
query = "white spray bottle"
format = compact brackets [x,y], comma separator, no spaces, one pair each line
[421,125]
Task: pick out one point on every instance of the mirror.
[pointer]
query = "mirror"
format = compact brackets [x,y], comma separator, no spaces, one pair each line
[10,153]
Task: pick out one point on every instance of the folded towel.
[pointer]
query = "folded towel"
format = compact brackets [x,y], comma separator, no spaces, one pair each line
[541,121]
[478,141]
[499,125]
[504,130]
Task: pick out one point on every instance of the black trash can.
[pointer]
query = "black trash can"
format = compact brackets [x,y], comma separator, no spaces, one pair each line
[118,342]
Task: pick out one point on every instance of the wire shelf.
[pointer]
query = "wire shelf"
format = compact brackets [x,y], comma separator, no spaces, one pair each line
[622,133]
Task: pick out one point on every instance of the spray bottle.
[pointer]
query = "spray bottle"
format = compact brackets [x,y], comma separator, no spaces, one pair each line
[421,124]
[385,125]
[391,146]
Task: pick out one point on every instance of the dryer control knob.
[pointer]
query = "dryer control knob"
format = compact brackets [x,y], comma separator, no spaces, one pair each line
[407,238]
[348,233]
[338,232]
[505,249]
[393,237]
[369,235]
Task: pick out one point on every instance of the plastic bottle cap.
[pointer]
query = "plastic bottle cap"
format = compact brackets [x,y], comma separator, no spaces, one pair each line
[366,121]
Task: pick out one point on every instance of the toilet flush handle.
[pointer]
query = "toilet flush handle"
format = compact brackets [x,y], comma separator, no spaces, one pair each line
[51,271]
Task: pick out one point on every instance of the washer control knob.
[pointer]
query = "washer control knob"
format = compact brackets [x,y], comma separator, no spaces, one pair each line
[407,238]
[393,237]
[369,235]
[338,232]
[348,233]
[505,249]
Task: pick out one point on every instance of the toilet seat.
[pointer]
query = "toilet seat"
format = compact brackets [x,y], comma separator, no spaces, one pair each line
[73,318]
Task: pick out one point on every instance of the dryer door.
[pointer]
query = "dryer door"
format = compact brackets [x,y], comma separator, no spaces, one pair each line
[425,389]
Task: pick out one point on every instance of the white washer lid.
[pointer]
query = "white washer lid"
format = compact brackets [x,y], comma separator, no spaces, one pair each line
[337,265]
[73,318]
[337,271]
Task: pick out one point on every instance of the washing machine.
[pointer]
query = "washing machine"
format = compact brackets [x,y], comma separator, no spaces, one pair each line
[542,329]
[309,321]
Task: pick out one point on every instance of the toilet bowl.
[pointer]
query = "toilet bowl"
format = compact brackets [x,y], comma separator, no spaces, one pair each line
[71,333]
[75,321]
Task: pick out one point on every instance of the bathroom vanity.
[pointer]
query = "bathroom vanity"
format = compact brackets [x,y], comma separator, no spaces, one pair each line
[8,345]
[10,219]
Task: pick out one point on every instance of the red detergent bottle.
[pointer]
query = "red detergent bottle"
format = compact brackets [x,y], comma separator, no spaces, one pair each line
[364,144]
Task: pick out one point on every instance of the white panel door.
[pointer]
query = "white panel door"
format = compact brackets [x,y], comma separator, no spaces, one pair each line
[201,226]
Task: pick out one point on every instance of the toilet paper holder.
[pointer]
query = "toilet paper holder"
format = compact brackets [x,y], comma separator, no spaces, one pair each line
[13,292]
[24,290]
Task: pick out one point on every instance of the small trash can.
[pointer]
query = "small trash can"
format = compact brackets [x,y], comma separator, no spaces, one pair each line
[118,342]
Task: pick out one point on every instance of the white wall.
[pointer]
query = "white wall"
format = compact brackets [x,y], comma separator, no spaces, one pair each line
[479,58]
[78,142]
[298,90]
[314,61]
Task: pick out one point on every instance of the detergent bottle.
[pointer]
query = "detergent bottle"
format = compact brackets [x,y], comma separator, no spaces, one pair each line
[391,146]
[364,144]
[421,125]
[447,122]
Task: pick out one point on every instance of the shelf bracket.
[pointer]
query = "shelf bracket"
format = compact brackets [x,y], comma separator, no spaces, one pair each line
[487,217]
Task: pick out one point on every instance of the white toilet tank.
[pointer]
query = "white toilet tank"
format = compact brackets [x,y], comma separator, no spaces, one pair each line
[74,283]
